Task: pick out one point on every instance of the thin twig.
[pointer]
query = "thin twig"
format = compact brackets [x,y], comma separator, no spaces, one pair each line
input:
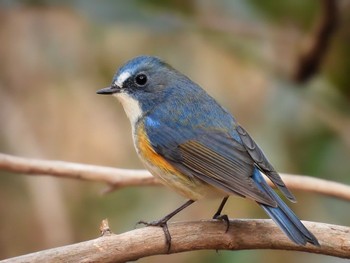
[117,178]
[189,236]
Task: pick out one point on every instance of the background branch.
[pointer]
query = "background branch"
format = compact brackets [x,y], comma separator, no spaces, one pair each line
[124,177]
[313,53]
[188,236]
[113,176]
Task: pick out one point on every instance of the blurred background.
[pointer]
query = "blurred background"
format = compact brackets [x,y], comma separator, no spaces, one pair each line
[249,55]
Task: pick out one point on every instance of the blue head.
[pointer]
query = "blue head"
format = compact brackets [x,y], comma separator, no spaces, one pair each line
[146,82]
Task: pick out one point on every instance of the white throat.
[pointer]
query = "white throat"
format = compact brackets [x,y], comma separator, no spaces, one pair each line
[131,107]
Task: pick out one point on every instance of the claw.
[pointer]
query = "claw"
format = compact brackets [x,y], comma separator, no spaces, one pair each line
[219,216]
[163,224]
[223,218]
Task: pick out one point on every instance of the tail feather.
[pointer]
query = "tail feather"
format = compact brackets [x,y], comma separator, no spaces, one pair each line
[283,216]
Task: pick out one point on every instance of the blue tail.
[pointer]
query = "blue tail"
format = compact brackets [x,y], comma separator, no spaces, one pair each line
[283,216]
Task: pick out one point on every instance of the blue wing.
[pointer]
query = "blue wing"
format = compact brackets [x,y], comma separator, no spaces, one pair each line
[212,156]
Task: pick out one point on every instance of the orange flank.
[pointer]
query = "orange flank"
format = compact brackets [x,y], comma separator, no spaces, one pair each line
[148,154]
[186,185]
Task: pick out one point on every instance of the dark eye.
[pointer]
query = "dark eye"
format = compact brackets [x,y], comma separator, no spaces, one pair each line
[141,79]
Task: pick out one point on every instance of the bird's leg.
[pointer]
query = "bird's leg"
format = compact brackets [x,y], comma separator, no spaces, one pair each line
[163,222]
[219,216]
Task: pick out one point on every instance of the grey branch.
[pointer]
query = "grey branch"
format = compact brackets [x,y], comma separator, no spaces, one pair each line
[113,176]
[124,177]
[189,236]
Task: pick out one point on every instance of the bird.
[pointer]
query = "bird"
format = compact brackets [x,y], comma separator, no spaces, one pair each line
[193,145]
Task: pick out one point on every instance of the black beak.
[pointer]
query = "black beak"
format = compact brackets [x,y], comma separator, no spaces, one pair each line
[109,90]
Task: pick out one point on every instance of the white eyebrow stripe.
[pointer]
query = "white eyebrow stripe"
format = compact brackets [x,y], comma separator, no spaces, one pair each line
[120,80]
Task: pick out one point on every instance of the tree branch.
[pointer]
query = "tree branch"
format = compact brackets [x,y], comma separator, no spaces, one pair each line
[117,178]
[189,236]
[113,176]
[124,177]
[313,53]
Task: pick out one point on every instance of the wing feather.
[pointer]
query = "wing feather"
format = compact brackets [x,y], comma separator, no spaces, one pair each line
[222,162]
[262,163]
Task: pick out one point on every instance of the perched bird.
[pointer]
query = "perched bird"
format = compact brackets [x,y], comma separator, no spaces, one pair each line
[195,146]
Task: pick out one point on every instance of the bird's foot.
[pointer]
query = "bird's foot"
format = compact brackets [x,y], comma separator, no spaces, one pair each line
[223,218]
[163,224]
